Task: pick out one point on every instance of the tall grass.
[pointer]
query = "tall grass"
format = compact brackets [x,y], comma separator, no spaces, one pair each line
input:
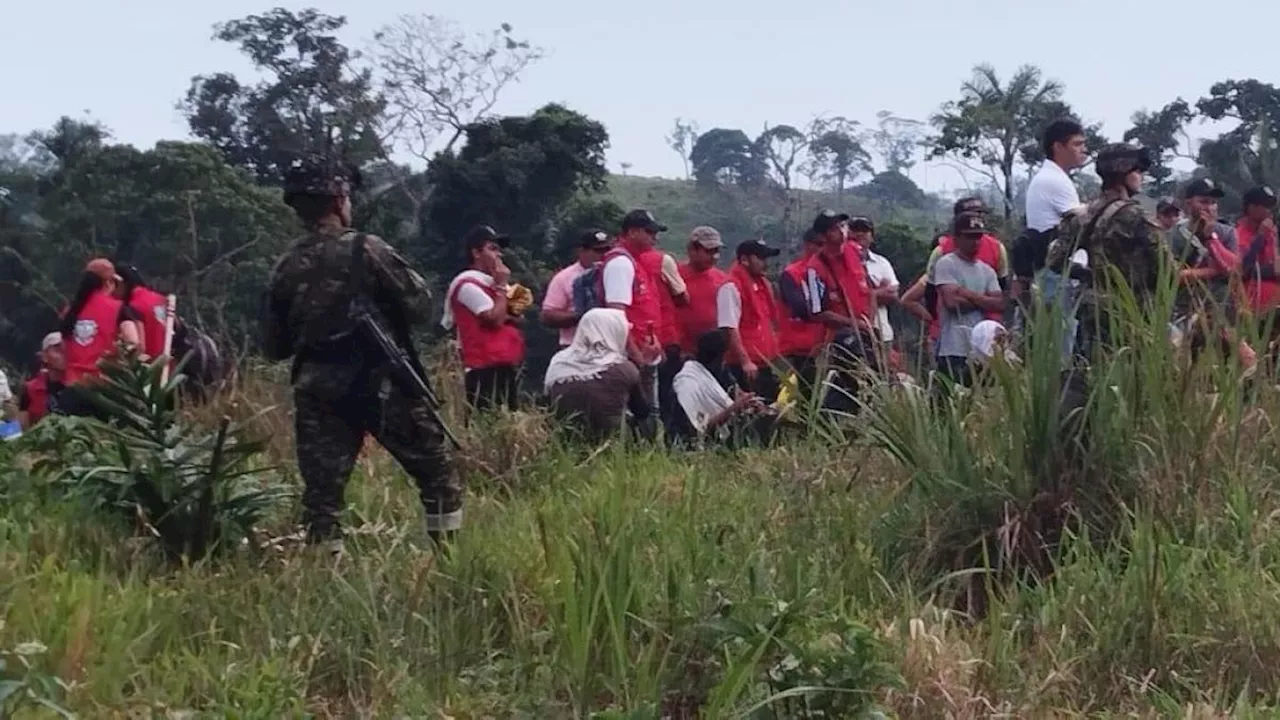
[1006,553]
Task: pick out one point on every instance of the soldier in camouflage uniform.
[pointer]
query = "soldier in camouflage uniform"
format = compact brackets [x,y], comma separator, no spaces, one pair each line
[341,389]
[1116,235]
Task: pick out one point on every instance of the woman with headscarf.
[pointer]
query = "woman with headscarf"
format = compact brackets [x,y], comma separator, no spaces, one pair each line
[591,383]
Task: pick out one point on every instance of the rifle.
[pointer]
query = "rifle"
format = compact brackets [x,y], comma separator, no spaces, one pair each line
[402,367]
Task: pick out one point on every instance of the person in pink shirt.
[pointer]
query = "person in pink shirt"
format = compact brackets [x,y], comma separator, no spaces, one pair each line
[557,306]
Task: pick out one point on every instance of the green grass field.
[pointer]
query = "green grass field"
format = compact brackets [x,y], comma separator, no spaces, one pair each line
[895,567]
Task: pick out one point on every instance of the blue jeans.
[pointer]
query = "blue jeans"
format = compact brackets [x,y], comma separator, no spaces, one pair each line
[1063,294]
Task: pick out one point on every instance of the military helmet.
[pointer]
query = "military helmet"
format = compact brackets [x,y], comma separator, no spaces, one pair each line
[1122,158]
[319,175]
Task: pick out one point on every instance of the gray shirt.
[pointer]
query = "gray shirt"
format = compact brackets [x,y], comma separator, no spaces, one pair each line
[955,325]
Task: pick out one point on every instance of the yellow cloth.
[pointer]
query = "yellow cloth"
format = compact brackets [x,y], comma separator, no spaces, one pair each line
[519,299]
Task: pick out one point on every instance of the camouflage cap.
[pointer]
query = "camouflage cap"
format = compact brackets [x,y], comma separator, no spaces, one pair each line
[1122,158]
[320,175]
[706,237]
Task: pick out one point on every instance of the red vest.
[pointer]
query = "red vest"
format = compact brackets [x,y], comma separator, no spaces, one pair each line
[796,336]
[1262,295]
[94,336]
[758,312]
[699,316]
[37,392]
[482,346]
[644,311]
[845,280]
[152,306]
[668,331]
[988,254]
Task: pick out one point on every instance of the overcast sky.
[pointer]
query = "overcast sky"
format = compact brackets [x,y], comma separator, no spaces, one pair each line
[638,65]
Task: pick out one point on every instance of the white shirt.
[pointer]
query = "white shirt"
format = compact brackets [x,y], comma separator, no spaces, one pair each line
[728,306]
[880,269]
[1050,195]
[474,299]
[618,276]
[5,393]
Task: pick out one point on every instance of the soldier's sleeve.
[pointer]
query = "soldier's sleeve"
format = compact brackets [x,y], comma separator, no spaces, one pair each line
[397,281]
[276,340]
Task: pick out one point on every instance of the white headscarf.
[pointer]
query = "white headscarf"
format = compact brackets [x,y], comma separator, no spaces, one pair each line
[983,339]
[599,342]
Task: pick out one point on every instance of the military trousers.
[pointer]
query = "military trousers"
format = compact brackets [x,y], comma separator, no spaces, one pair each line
[330,434]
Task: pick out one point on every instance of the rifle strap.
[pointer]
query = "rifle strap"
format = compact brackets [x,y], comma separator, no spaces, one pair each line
[355,278]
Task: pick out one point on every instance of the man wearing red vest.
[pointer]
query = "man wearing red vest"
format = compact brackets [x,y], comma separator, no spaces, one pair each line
[1256,238]
[709,294]
[753,343]
[630,286]
[490,338]
[839,296]
[40,393]
[800,337]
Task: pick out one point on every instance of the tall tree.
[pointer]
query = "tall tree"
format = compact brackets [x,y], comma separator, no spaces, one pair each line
[994,124]
[722,156]
[682,138]
[309,100]
[897,141]
[836,154]
[1249,153]
[781,146]
[1164,133]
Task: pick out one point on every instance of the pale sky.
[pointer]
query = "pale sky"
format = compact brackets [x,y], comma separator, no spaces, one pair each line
[637,66]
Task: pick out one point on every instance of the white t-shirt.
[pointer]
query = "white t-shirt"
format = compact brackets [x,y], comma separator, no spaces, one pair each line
[728,306]
[880,269]
[5,393]
[1050,195]
[474,299]
[618,276]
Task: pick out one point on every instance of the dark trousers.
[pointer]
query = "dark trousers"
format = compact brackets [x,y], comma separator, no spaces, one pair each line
[494,387]
[672,361]
[766,384]
[956,369]
[330,434]
[74,400]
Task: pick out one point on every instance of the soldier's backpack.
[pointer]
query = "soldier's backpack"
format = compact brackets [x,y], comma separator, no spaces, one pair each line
[207,368]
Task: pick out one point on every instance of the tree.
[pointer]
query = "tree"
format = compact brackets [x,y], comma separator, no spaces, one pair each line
[995,125]
[682,139]
[1164,134]
[309,101]
[836,155]
[726,157]
[781,146]
[897,141]
[893,190]
[1249,153]
[519,175]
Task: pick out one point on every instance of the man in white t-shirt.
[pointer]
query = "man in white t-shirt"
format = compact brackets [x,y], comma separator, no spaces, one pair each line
[880,273]
[1050,196]
[557,306]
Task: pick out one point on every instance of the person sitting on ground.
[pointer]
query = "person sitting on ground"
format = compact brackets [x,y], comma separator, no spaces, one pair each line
[990,340]
[706,409]
[591,383]
[39,395]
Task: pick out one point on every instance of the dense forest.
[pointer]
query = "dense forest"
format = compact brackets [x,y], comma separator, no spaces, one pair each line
[203,215]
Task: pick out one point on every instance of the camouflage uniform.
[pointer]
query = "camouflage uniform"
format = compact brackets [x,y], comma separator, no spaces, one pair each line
[1211,300]
[340,391]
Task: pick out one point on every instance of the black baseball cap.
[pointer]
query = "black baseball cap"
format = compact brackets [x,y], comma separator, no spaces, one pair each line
[1167,206]
[861,222]
[1204,187]
[828,219]
[970,223]
[642,219]
[594,239]
[758,248]
[481,235]
[972,203]
[1261,195]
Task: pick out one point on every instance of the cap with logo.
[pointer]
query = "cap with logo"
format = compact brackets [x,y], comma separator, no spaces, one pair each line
[861,223]
[1204,187]
[103,268]
[481,235]
[968,204]
[706,237]
[644,220]
[758,248]
[1167,206]
[1262,195]
[594,239]
[970,223]
[828,219]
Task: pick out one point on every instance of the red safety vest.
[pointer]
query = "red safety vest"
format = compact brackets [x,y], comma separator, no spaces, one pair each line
[796,336]
[845,280]
[152,306]
[667,330]
[1262,295]
[644,312]
[37,393]
[94,336]
[700,315]
[988,254]
[759,308]
[482,346]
